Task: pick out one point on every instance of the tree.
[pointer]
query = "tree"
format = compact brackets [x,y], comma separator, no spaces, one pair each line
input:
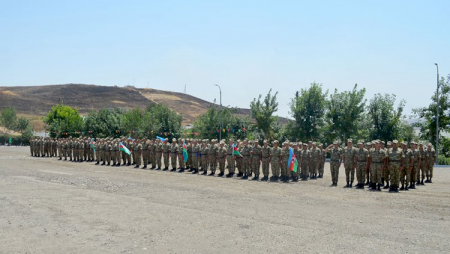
[9,118]
[25,129]
[308,110]
[344,111]
[263,111]
[384,118]
[64,121]
[158,119]
[106,122]
[132,121]
[427,115]
[207,124]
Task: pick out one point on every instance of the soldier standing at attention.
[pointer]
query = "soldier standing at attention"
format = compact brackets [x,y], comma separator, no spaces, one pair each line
[423,165]
[285,162]
[431,160]
[395,163]
[180,156]
[239,159]
[212,154]
[297,153]
[265,155]
[204,157]
[158,154]
[323,157]
[246,150]
[405,172]
[275,161]
[314,163]
[335,161]
[64,149]
[97,151]
[385,175]
[305,155]
[173,154]
[368,148]
[153,153]
[108,148]
[376,159]
[166,149]
[114,151]
[137,151]
[195,156]
[59,145]
[222,157]
[415,165]
[256,160]
[231,162]
[362,157]
[349,159]
[190,154]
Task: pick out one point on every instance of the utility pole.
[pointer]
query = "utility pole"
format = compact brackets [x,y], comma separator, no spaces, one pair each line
[220,114]
[437,113]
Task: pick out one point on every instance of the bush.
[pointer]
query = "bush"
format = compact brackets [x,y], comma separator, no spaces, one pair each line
[442,160]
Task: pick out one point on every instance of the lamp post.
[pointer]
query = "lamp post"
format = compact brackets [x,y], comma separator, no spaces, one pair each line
[437,112]
[220,115]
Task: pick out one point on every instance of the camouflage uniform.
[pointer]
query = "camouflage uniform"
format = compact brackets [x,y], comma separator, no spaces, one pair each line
[423,165]
[195,157]
[377,157]
[285,174]
[415,167]
[265,154]
[256,160]
[395,157]
[305,159]
[349,164]
[158,153]
[231,162]
[166,148]
[335,163]
[315,154]
[181,157]
[246,171]
[275,154]
[204,158]
[431,156]
[361,165]
[173,155]
[405,173]
[222,156]
[137,151]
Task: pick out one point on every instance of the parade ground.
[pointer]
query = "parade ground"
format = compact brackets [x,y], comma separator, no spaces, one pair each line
[52,206]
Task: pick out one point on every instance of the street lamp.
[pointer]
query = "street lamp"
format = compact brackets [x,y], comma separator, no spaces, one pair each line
[437,112]
[220,117]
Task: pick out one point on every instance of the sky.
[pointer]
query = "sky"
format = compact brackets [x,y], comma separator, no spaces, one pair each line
[245,47]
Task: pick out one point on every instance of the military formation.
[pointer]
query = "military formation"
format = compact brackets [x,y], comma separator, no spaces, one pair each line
[375,165]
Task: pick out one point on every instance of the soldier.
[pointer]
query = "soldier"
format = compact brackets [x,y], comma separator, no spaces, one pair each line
[256,160]
[265,155]
[431,160]
[195,156]
[246,150]
[158,153]
[181,160]
[190,154]
[115,153]
[405,172]
[153,153]
[316,155]
[222,157]
[349,159]
[97,145]
[368,148]
[377,160]
[166,154]
[362,158]
[212,155]
[173,154]
[275,161]
[305,159]
[231,162]
[415,164]
[285,162]
[335,161]
[145,152]
[137,151]
[423,165]
[385,176]
[239,159]
[59,146]
[204,157]
[395,165]
[297,152]
[323,157]
[64,149]
[109,152]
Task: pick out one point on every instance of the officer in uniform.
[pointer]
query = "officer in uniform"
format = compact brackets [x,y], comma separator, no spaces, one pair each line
[246,152]
[362,157]
[349,159]
[222,157]
[395,165]
[335,161]
[275,161]
[305,159]
[231,162]
[265,155]
[256,160]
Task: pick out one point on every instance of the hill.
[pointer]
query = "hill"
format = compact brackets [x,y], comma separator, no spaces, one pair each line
[35,101]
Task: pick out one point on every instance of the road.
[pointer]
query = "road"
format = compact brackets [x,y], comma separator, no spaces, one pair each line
[51,206]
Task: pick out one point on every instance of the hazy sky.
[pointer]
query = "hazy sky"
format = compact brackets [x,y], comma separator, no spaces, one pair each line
[247,47]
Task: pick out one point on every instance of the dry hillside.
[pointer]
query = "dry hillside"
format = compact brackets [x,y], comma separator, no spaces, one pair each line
[35,101]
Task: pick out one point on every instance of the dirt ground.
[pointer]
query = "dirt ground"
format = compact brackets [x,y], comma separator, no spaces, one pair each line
[51,206]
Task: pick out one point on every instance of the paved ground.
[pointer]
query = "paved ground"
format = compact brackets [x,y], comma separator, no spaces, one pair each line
[51,206]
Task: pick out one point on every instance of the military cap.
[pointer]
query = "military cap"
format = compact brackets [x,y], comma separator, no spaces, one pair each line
[413,142]
[349,140]
[429,144]
[305,144]
[314,143]
[404,143]
[395,142]
[275,141]
[360,143]
[335,143]
[389,143]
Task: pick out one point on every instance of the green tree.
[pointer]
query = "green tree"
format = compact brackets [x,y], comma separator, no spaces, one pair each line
[106,122]
[158,119]
[9,118]
[344,110]
[262,112]
[308,110]
[207,124]
[384,117]
[427,115]
[132,122]
[63,120]
[24,127]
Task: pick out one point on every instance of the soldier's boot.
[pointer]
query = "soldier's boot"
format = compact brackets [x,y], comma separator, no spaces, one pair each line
[136,166]
[286,179]
[421,183]
[181,170]
[430,180]
[391,188]
[204,173]
[271,178]
[128,164]
[190,169]
[406,187]
[230,175]
[295,179]
[412,186]
[348,185]
[97,163]
[403,187]
[103,164]
[239,174]
[245,177]
[396,189]
[212,173]
[144,167]
[379,187]
[256,178]
[221,174]
[195,171]
[387,186]
[265,178]
[118,165]
[367,182]
[351,184]
[418,182]
[114,164]
[382,181]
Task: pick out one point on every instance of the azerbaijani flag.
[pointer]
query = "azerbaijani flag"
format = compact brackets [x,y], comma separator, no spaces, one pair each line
[162,139]
[185,153]
[124,148]
[293,164]
[131,139]
[236,151]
